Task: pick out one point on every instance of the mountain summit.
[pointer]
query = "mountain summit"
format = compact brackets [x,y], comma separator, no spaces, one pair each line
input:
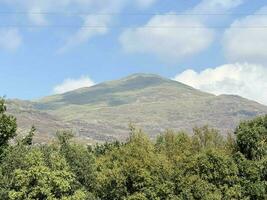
[132,89]
[153,103]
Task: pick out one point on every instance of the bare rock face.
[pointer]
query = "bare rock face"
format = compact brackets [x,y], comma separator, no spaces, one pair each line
[104,111]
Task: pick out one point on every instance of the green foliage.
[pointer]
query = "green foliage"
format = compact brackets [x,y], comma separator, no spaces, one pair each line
[30,176]
[134,170]
[8,127]
[252,138]
[252,177]
[101,149]
[174,145]
[176,166]
[80,160]
[193,187]
[207,138]
[28,139]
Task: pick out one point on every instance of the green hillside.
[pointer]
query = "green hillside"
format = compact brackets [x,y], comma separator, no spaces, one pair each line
[104,111]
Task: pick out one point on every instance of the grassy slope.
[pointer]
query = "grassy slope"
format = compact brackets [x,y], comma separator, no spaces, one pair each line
[153,103]
[103,112]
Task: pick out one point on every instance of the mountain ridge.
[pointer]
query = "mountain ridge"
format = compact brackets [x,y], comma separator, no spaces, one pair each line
[102,112]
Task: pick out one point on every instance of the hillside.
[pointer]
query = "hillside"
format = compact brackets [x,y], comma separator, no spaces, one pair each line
[104,111]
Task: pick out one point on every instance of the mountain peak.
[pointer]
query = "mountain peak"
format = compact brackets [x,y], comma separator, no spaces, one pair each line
[140,78]
[144,75]
[135,87]
[139,81]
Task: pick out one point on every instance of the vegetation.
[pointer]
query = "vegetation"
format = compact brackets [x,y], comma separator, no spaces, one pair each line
[174,167]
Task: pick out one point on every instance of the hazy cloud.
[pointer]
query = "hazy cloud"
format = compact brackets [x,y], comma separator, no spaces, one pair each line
[216,5]
[10,39]
[73,84]
[247,44]
[187,35]
[38,19]
[86,33]
[168,43]
[37,9]
[246,80]
[145,3]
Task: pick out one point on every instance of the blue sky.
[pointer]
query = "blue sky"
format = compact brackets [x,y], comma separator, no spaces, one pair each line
[48,47]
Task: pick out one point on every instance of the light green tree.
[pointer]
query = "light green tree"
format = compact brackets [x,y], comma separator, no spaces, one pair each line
[39,180]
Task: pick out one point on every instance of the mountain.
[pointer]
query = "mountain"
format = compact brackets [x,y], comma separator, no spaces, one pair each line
[153,103]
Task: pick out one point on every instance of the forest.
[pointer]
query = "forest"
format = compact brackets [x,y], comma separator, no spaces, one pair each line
[176,166]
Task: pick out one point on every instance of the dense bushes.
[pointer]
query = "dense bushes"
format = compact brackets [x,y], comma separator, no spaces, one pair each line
[175,166]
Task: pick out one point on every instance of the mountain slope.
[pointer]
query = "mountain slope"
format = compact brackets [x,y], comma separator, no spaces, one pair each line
[103,112]
[27,116]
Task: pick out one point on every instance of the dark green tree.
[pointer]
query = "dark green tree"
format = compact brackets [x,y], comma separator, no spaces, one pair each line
[210,174]
[28,139]
[8,127]
[80,160]
[251,175]
[251,138]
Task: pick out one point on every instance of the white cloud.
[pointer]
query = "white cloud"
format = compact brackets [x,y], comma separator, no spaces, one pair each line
[246,80]
[86,33]
[145,3]
[36,17]
[34,8]
[176,43]
[247,44]
[37,9]
[73,84]
[213,6]
[168,43]
[10,39]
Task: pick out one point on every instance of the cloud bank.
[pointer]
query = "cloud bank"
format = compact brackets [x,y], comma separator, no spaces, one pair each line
[246,80]
[247,44]
[73,84]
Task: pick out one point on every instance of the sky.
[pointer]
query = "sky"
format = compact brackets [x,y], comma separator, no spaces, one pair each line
[49,47]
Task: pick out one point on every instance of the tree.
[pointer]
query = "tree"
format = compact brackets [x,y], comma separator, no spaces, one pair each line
[134,171]
[28,139]
[14,159]
[251,175]
[251,138]
[206,138]
[8,127]
[174,145]
[40,180]
[80,160]
[210,174]
[193,187]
